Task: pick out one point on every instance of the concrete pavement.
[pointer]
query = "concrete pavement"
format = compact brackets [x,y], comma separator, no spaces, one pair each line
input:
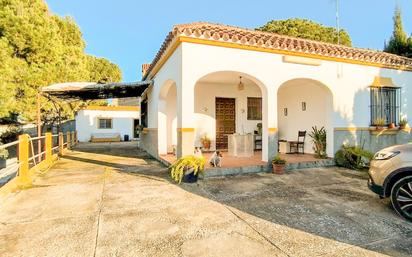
[114,200]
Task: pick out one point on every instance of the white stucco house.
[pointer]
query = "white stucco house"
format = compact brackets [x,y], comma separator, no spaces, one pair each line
[107,123]
[214,80]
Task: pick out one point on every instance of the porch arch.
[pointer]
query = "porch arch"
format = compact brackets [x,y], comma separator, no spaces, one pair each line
[167,118]
[302,104]
[224,84]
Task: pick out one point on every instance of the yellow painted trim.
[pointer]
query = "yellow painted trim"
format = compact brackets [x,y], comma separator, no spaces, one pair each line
[372,130]
[185,129]
[186,39]
[112,108]
[164,58]
[272,130]
[352,129]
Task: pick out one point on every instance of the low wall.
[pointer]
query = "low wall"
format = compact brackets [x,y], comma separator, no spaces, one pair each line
[148,141]
[371,139]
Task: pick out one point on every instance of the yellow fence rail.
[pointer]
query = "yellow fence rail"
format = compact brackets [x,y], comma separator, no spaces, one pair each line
[30,164]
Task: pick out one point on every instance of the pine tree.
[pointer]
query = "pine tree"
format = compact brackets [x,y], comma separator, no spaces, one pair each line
[398,43]
[37,49]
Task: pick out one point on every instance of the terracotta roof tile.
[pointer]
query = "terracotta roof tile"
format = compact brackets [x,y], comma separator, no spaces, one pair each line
[231,34]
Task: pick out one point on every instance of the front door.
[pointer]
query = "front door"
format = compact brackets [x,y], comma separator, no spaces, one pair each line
[225,121]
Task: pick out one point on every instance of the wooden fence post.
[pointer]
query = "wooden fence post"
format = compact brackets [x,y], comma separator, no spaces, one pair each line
[24,178]
[72,138]
[61,142]
[48,145]
[69,141]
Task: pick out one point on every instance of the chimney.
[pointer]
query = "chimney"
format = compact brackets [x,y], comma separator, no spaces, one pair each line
[145,67]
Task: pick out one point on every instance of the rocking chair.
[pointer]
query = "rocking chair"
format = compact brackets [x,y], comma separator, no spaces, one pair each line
[299,144]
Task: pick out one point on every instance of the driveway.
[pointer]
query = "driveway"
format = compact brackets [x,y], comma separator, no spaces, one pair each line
[114,200]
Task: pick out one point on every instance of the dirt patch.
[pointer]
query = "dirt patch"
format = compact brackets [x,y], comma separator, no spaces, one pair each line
[346,194]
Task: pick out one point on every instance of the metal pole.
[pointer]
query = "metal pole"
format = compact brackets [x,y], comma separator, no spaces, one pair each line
[38,128]
[337,20]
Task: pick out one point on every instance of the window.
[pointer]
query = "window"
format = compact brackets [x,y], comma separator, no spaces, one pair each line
[385,104]
[254,108]
[105,123]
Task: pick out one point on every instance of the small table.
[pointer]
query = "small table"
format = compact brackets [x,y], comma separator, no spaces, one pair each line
[240,145]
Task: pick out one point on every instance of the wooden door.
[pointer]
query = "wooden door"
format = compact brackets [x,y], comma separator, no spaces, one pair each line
[225,121]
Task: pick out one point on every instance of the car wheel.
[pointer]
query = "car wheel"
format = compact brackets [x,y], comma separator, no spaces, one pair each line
[401,197]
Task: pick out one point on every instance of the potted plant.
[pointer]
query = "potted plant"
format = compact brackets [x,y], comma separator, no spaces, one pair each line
[3,157]
[402,123]
[278,165]
[319,141]
[391,125]
[379,123]
[187,169]
[259,128]
[205,140]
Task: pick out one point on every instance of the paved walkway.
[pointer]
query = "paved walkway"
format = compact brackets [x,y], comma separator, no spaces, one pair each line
[113,200]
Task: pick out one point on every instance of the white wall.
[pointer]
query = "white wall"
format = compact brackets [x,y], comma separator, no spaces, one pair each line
[205,108]
[87,123]
[171,114]
[318,110]
[348,83]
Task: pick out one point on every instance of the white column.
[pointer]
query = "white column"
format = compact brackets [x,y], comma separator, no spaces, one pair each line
[271,129]
[162,127]
[185,119]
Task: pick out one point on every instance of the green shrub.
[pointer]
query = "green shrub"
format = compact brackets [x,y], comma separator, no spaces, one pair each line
[319,141]
[4,153]
[278,160]
[353,157]
[10,135]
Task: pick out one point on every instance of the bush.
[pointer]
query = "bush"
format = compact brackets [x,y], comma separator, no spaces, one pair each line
[10,135]
[278,160]
[319,141]
[4,153]
[353,157]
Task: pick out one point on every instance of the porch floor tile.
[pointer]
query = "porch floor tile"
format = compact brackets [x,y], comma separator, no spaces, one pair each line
[255,160]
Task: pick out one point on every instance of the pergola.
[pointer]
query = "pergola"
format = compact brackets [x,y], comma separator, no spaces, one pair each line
[93,91]
[72,91]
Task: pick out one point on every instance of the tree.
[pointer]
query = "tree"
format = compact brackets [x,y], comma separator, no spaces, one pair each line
[37,49]
[307,29]
[399,43]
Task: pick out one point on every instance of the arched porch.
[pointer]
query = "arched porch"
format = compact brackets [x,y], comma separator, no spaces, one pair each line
[303,104]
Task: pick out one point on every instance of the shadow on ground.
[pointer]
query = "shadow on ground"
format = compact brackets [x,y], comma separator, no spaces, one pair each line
[332,203]
[115,200]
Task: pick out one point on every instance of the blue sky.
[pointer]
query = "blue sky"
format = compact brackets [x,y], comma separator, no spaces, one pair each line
[130,32]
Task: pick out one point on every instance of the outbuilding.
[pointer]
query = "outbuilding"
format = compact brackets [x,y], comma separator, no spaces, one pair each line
[107,123]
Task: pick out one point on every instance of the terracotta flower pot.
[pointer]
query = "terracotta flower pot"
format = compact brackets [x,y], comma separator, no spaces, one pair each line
[401,127]
[206,145]
[392,125]
[379,128]
[278,169]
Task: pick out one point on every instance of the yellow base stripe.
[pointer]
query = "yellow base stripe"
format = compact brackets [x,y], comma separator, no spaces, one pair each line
[185,129]
[272,130]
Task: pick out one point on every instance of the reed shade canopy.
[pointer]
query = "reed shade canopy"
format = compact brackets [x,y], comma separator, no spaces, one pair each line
[92,90]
